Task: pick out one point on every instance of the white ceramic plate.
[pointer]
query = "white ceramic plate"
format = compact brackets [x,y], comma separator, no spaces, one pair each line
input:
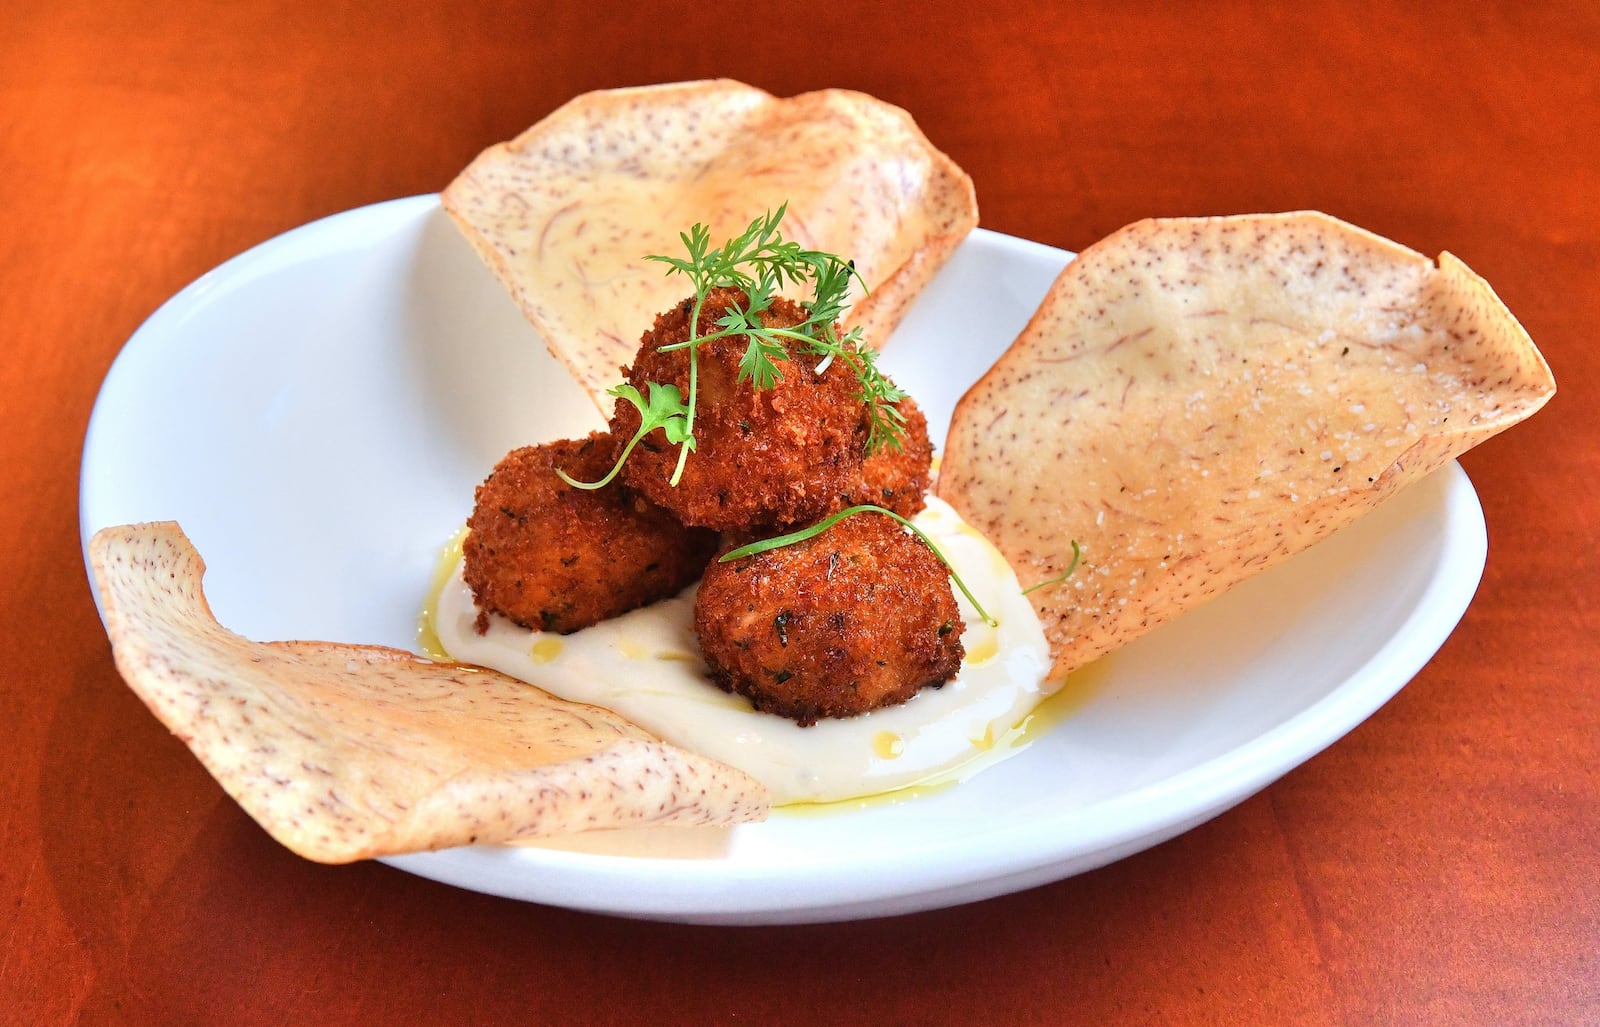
[317,412]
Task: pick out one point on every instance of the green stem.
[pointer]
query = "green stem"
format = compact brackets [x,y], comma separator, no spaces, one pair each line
[1059,578]
[616,468]
[694,386]
[767,545]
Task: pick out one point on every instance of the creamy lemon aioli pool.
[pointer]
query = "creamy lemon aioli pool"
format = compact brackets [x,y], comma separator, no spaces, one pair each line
[646,666]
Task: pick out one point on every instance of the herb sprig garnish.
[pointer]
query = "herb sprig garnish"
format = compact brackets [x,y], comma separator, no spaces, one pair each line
[664,409]
[760,262]
[778,542]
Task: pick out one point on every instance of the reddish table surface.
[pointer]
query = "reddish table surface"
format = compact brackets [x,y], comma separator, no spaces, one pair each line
[1440,864]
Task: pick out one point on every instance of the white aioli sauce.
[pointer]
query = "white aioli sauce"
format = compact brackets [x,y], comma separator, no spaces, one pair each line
[646,666]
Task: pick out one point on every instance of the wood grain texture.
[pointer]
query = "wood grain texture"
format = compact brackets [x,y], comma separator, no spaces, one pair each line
[1437,865]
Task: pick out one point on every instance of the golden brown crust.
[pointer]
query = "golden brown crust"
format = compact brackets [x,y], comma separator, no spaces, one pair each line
[897,478]
[857,618]
[552,557]
[763,457]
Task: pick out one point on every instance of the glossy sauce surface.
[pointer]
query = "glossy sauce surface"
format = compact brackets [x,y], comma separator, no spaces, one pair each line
[646,666]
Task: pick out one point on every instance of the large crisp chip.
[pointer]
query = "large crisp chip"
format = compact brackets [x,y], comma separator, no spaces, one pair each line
[565,213]
[343,752]
[1198,398]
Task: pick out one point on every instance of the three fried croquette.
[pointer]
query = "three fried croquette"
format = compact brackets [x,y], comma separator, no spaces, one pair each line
[859,617]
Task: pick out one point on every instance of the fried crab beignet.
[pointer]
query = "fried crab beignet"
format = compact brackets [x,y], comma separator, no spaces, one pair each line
[897,478]
[552,557]
[858,617]
[762,457]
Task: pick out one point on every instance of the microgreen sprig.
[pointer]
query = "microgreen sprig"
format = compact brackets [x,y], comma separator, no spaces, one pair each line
[664,409]
[760,263]
[1063,576]
[778,542]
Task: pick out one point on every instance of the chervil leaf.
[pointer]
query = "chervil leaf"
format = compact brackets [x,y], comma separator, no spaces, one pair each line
[665,409]
[759,363]
[760,262]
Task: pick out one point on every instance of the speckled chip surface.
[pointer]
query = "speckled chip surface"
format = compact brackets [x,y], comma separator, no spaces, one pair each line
[343,752]
[1199,398]
[566,213]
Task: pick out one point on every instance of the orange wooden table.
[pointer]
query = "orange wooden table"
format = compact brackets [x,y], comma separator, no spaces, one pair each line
[1440,864]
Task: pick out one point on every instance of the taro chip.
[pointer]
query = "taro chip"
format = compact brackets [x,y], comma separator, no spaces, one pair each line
[566,213]
[343,752]
[1198,398]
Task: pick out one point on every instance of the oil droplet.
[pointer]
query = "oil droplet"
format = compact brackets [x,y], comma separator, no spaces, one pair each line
[545,649]
[673,656]
[631,650]
[877,800]
[444,566]
[1072,696]
[888,745]
[984,649]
